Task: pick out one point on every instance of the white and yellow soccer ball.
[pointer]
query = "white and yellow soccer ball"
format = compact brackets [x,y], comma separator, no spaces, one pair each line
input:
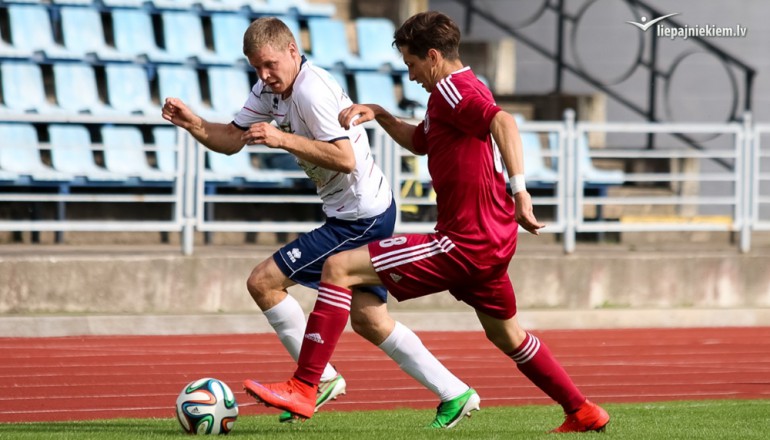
[206,406]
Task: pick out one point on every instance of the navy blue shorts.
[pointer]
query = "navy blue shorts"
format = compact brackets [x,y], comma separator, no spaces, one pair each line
[302,260]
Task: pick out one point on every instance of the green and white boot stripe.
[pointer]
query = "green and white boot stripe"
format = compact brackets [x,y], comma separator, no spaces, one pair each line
[450,413]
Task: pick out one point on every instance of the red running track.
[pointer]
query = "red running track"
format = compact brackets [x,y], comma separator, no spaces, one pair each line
[76,378]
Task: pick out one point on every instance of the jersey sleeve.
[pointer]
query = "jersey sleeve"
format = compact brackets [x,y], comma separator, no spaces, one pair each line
[472,111]
[319,108]
[419,141]
[253,110]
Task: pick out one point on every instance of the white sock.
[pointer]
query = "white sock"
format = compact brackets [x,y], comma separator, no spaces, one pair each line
[288,320]
[404,347]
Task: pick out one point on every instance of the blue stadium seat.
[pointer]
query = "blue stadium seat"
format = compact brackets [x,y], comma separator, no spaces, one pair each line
[166,148]
[71,153]
[237,167]
[20,154]
[76,89]
[128,89]
[124,3]
[23,18]
[134,35]
[23,88]
[174,4]
[538,174]
[182,82]
[124,153]
[377,88]
[301,8]
[375,36]
[329,45]
[414,93]
[591,175]
[183,36]
[227,33]
[83,34]
[229,89]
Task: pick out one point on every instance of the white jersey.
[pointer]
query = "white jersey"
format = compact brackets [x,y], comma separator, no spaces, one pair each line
[312,111]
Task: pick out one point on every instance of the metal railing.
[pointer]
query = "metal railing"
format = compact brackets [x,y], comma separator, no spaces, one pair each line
[740,197]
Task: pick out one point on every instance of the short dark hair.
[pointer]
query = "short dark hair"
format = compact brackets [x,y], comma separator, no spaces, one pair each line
[429,30]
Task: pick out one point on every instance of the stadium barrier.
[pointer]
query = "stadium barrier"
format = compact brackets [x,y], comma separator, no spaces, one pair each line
[719,188]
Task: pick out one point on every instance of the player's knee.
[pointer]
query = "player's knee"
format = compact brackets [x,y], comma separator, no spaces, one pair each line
[257,284]
[335,268]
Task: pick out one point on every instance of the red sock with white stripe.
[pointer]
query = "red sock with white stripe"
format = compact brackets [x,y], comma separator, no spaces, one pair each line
[536,362]
[324,327]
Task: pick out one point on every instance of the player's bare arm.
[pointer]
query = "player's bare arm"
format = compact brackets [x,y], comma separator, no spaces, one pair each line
[400,131]
[337,155]
[505,132]
[222,138]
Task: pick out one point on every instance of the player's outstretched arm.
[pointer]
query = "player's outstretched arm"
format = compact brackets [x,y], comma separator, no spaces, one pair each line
[505,132]
[222,138]
[400,131]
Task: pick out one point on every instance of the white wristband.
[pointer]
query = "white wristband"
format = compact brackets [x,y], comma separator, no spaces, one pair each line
[518,184]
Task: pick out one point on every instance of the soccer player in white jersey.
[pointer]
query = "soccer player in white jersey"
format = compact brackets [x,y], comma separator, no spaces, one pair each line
[304,101]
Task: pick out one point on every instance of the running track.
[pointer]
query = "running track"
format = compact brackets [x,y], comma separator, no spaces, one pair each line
[56,379]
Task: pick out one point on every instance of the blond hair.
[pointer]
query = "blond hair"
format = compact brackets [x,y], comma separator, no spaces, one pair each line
[266,31]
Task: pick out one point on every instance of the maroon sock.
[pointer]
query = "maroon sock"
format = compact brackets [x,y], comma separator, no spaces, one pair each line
[536,362]
[324,327]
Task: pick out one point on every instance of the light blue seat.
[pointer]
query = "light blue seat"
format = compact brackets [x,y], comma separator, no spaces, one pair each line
[183,36]
[591,175]
[83,34]
[128,89]
[134,35]
[24,18]
[375,36]
[20,154]
[377,88]
[76,89]
[124,153]
[174,4]
[302,8]
[182,82]
[229,89]
[414,93]
[71,153]
[166,148]
[227,33]
[23,89]
[228,169]
[329,44]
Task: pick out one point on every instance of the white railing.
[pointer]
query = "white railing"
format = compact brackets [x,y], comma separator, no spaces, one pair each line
[579,202]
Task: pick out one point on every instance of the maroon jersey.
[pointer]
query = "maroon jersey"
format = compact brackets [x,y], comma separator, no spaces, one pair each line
[474,209]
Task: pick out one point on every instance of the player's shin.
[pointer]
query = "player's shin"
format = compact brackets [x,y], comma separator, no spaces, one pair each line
[324,327]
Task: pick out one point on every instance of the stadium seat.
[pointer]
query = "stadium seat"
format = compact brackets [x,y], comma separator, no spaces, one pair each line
[23,18]
[375,36]
[227,33]
[124,153]
[300,8]
[23,88]
[538,174]
[329,45]
[235,167]
[182,82]
[183,5]
[128,89]
[20,154]
[76,89]
[229,89]
[377,88]
[415,97]
[83,34]
[71,153]
[134,35]
[183,36]
[166,147]
[591,175]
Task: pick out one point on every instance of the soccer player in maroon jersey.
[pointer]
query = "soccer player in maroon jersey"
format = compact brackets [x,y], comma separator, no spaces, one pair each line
[468,139]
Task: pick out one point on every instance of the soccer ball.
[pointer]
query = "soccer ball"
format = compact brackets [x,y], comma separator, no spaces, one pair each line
[206,406]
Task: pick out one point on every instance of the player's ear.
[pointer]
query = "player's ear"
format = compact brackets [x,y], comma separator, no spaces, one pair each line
[434,56]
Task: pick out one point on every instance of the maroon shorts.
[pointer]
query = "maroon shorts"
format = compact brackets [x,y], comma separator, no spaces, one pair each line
[415,265]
